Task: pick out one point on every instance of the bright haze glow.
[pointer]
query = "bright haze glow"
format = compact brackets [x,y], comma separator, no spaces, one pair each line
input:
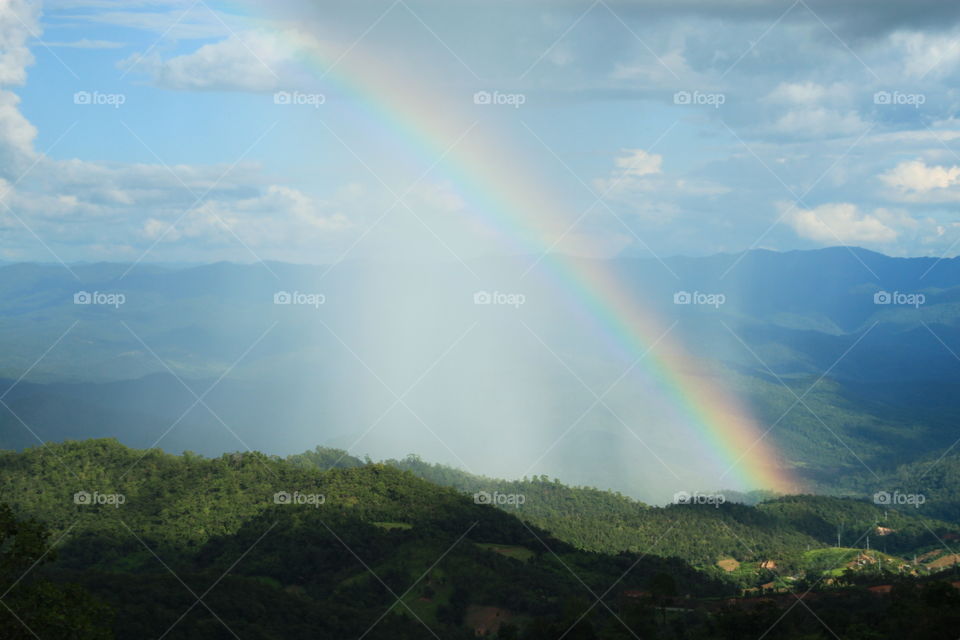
[489,195]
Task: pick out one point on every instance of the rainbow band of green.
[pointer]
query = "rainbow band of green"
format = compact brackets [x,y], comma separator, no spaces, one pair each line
[519,213]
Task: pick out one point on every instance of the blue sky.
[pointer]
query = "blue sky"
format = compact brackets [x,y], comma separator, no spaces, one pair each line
[711,126]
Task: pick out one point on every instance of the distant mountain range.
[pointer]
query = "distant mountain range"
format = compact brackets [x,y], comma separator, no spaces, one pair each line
[869,343]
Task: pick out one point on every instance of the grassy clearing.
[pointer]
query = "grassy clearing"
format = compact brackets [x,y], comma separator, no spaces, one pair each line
[511,551]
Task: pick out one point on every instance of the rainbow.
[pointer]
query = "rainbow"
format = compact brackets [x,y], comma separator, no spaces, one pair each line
[517,212]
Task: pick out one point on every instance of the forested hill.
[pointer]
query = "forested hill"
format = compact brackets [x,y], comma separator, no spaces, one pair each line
[324,544]
[782,529]
[284,551]
[936,478]
[183,501]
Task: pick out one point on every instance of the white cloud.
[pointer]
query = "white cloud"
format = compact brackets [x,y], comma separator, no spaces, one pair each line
[278,217]
[16,137]
[926,54]
[797,98]
[78,207]
[637,162]
[640,187]
[844,223]
[664,68]
[255,60]
[917,176]
[17,19]
[818,121]
[808,93]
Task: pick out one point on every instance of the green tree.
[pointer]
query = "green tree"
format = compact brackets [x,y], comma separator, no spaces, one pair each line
[32,606]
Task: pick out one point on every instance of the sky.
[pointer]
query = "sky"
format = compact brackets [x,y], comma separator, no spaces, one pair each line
[198,131]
